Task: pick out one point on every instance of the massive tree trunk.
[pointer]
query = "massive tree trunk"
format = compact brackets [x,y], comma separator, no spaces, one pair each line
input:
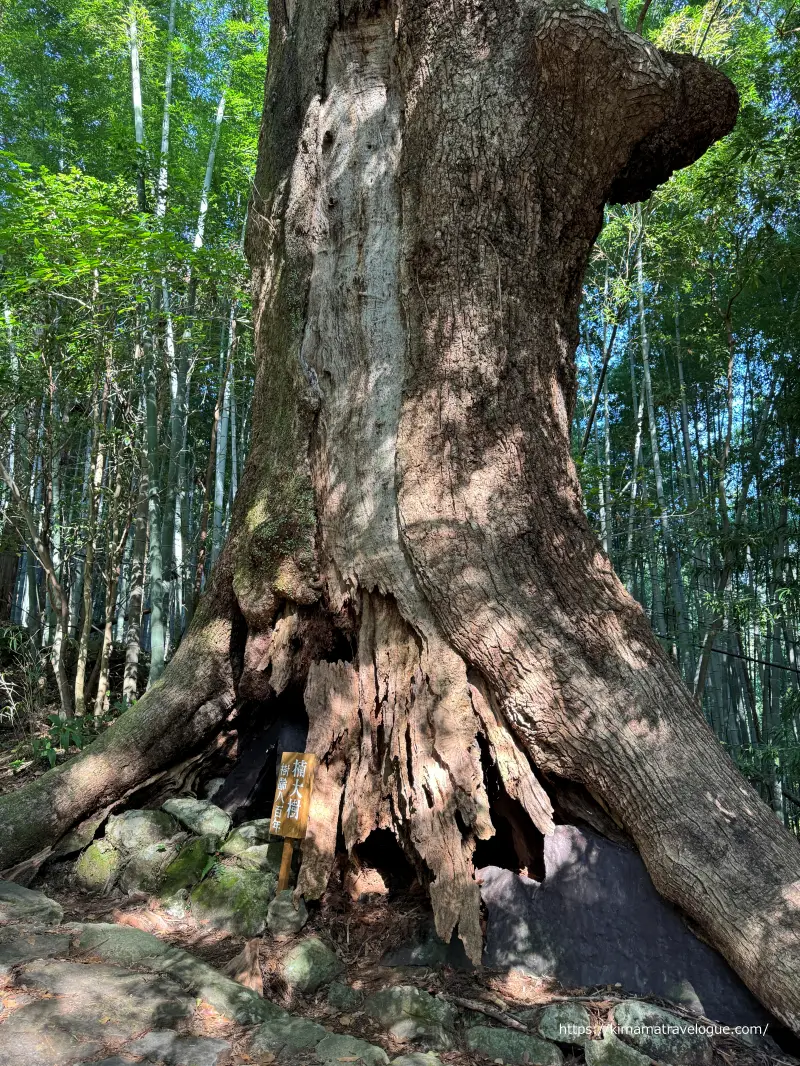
[432,176]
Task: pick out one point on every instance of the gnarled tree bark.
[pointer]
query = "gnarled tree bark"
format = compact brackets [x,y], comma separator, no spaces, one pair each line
[431,178]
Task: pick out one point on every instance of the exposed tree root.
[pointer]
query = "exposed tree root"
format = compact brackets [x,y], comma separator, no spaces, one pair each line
[397,737]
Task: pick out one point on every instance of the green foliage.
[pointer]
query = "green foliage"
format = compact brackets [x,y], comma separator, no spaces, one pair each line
[721,259]
[103,297]
[62,734]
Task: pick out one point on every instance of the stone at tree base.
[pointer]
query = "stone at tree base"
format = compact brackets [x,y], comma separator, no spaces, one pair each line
[186,869]
[596,919]
[566,1023]
[167,1047]
[417,1031]
[212,787]
[234,899]
[200,817]
[261,857]
[675,1043]
[145,869]
[98,867]
[20,904]
[28,1039]
[310,965]
[409,1013]
[120,943]
[344,997]
[132,831]
[248,835]
[22,944]
[284,916]
[512,1046]
[284,1034]
[610,1051]
[337,1048]
[175,905]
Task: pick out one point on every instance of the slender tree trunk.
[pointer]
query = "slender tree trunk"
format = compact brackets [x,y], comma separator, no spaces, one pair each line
[96,479]
[138,110]
[206,191]
[59,599]
[221,458]
[130,679]
[115,547]
[163,161]
[154,514]
[234,482]
[206,503]
[673,560]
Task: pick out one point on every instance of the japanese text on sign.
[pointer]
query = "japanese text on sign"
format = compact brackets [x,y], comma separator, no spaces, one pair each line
[293,794]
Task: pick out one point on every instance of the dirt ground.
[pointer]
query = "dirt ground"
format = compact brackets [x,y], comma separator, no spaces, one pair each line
[361,934]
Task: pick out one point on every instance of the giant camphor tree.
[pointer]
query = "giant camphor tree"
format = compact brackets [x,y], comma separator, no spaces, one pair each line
[408,549]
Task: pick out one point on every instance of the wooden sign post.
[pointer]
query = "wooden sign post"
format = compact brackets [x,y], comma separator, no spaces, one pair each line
[292,803]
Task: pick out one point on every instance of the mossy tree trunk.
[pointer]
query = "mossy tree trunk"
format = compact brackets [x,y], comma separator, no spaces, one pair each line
[432,176]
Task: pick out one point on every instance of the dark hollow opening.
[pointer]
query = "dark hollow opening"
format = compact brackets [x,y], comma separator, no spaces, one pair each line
[266,731]
[517,844]
[382,852]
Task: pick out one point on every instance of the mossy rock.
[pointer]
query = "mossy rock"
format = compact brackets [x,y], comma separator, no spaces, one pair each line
[23,905]
[98,867]
[338,1047]
[234,899]
[660,1035]
[146,869]
[344,997]
[248,835]
[187,867]
[285,915]
[310,965]
[261,857]
[566,1023]
[418,1058]
[200,817]
[610,1051]
[132,831]
[512,1047]
[409,1013]
[284,1034]
[391,1005]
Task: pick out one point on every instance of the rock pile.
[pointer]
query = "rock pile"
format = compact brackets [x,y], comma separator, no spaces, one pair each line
[186,855]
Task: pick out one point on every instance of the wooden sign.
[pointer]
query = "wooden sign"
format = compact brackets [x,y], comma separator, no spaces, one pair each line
[293,794]
[292,804]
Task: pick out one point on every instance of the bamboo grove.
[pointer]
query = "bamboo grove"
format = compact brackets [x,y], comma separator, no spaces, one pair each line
[687,430]
[127,143]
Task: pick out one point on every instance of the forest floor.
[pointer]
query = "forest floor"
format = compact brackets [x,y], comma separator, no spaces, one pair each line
[360,934]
